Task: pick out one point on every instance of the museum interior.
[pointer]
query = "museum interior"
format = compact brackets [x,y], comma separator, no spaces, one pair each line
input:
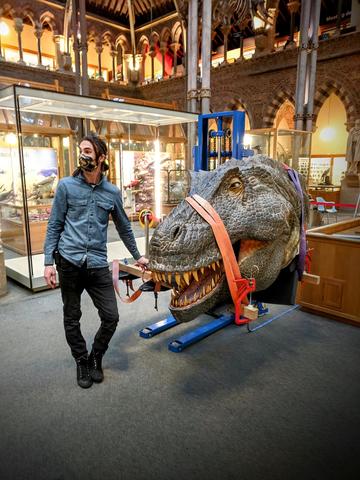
[139,74]
[175,87]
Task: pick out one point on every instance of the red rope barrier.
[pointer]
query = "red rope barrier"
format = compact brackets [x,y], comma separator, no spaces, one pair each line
[332,204]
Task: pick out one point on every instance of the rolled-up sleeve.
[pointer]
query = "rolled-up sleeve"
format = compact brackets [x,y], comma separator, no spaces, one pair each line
[56,224]
[123,227]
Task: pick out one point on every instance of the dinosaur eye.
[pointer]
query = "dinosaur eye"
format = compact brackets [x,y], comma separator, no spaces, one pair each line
[236,185]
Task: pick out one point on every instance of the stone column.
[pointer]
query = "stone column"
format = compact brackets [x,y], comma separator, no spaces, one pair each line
[113,54]
[120,61]
[99,49]
[152,54]
[163,50]
[301,65]
[175,47]
[19,25]
[311,74]
[225,31]
[38,34]
[205,92]
[293,7]
[58,62]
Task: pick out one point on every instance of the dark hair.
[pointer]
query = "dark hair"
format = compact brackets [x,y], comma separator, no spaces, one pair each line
[99,147]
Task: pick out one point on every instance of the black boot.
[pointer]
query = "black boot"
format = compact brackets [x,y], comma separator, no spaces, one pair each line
[95,367]
[84,379]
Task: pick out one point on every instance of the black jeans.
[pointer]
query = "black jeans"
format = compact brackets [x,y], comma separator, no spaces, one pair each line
[98,283]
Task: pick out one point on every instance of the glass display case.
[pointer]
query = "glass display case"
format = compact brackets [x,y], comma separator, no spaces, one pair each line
[325,175]
[39,134]
[287,146]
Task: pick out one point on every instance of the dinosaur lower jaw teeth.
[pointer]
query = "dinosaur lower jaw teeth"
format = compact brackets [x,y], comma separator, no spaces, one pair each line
[189,297]
[192,286]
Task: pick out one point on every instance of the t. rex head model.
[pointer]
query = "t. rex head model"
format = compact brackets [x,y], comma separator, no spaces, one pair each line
[261,211]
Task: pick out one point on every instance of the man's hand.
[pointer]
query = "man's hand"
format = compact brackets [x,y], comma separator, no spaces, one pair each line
[50,276]
[142,263]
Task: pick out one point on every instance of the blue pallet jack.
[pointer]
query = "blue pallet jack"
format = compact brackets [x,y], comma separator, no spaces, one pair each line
[189,338]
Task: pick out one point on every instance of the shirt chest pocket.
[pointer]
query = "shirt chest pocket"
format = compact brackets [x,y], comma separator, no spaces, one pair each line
[77,209]
[103,210]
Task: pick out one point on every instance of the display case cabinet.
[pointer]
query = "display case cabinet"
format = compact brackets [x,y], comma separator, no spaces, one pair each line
[336,259]
[13,229]
[330,193]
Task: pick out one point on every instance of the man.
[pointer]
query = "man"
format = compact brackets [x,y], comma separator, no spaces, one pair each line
[76,240]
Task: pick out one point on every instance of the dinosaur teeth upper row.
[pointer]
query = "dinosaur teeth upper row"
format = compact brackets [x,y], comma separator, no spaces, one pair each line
[184,277]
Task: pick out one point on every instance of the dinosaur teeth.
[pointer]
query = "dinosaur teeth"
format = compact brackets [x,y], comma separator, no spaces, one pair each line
[169,278]
[213,266]
[202,270]
[178,278]
[218,263]
[187,278]
[213,283]
[195,274]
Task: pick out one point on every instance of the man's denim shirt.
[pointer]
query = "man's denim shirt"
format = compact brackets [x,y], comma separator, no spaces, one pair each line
[79,220]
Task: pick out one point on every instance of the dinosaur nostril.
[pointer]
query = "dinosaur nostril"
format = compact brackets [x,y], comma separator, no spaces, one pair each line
[175,232]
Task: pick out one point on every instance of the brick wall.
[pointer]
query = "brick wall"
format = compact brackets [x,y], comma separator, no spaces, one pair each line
[260,84]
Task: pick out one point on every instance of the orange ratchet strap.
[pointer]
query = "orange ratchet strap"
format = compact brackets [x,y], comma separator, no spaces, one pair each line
[239,287]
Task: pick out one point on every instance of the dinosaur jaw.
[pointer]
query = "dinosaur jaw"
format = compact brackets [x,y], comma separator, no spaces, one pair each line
[194,286]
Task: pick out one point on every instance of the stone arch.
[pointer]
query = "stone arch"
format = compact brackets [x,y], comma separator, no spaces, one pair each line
[165,35]
[237,103]
[287,112]
[176,32]
[141,43]
[8,10]
[107,37]
[93,33]
[325,90]
[122,41]
[275,104]
[28,15]
[49,18]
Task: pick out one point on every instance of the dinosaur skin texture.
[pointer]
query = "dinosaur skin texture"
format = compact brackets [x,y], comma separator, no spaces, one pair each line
[261,211]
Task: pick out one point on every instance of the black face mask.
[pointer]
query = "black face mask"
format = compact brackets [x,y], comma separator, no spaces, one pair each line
[87,163]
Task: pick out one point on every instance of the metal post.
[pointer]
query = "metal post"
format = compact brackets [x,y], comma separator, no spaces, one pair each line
[76,46]
[192,55]
[146,221]
[83,47]
[301,66]
[315,18]
[192,69]
[206,56]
